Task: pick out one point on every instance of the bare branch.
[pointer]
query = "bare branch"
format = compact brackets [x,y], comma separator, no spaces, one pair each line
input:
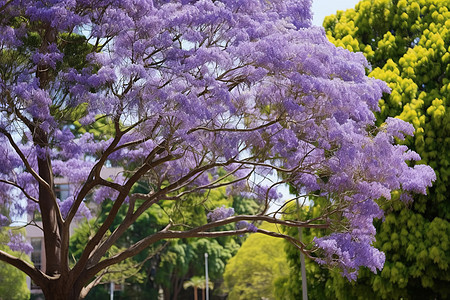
[85,290]
[201,231]
[2,8]
[301,246]
[20,188]
[305,224]
[216,183]
[234,129]
[93,244]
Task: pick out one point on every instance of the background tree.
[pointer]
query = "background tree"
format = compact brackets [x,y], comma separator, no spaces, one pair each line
[184,258]
[407,44]
[166,265]
[190,88]
[319,282]
[252,272]
[13,283]
[195,282]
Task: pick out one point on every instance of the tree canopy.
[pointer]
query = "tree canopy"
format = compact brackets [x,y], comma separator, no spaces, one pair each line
[189,88]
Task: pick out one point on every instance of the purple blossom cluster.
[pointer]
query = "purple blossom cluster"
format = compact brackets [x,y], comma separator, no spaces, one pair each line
[18,243]
[261,193]
[189,90]
[220,213]
[82,212]
[350,252]
[4,221]
[244,224]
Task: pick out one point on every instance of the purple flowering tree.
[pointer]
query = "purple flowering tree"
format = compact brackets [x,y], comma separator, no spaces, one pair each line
[190,89]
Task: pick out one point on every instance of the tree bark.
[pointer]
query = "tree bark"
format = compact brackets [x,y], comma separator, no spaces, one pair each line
[59,289]
[52,238]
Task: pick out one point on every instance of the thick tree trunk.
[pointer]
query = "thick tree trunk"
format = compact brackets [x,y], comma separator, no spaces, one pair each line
[61,290]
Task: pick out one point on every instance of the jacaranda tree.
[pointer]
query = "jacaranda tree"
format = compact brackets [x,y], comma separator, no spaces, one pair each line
[191,88]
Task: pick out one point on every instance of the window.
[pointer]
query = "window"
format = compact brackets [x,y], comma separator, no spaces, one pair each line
[62,191]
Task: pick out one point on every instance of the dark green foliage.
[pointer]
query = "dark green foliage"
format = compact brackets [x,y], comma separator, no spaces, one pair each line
[75,48]
[167,264]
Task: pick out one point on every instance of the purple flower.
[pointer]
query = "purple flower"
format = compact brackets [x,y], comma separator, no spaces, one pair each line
[4,221]
[350,252]
[18,243]
[244,224]
[82,212]
[220,213]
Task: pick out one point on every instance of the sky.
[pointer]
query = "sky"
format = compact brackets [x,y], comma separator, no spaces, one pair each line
[323,8]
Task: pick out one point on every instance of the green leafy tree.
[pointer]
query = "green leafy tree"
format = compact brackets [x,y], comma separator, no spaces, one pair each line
[319,282]
[408,45]
[251,274]
[196,282]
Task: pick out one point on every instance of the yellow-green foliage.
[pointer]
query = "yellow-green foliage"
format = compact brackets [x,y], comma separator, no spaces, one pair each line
[251,273]
[407,42]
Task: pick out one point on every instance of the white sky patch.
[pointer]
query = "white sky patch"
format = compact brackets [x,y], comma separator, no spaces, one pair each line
[323,8]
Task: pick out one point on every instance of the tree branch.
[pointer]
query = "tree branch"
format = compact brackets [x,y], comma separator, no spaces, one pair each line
[94,242]
[20,188]
[234,129]
[39,179]
[35,274]
[201,231]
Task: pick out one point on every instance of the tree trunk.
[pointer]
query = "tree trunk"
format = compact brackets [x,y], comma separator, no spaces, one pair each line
[177,285]
[195,293]
[52,239]
[47,203]
[166,292]
[59,290]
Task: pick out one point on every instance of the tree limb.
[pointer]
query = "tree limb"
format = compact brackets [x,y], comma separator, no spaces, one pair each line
[35,274]
[20,188]
[39,179]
